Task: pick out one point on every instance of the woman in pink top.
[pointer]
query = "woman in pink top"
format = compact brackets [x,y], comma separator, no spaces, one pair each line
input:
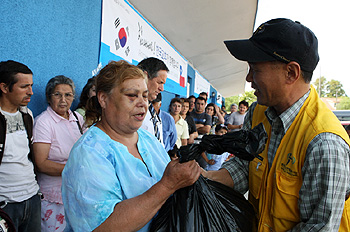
[55,132]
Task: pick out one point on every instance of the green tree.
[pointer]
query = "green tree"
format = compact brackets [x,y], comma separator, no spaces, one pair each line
[248,96]
[344,104]
[323,86]
[231,100]
[335,89]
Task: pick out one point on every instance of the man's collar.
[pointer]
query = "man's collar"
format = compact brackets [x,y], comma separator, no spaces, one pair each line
[288,116]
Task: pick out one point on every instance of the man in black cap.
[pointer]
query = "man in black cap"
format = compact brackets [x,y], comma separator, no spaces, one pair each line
[302,183]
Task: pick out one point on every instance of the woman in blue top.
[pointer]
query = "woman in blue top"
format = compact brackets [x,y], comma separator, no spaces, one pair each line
[118,176]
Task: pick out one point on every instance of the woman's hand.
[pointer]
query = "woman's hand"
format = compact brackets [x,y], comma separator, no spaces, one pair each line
[132,214]
[179,175]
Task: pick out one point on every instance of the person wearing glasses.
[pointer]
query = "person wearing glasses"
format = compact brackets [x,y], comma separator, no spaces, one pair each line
[54,134]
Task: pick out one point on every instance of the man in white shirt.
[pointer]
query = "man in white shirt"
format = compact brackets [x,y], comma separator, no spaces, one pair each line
[19,196]
[236,119]
[157,73]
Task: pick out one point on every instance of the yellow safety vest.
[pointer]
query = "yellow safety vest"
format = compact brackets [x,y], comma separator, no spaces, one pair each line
[274,193]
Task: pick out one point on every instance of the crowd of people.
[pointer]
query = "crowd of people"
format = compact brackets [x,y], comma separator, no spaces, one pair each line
[49,142]
[111,163]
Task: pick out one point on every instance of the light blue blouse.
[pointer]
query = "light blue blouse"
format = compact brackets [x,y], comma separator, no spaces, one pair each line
[100,173]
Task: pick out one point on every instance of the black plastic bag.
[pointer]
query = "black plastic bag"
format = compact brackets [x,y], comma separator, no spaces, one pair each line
[245,144]
[204,206]
[207,205]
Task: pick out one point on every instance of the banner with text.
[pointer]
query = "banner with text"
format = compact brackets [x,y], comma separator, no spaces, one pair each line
[127,35]
[201,84]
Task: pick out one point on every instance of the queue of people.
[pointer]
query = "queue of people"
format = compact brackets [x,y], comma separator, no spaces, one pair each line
[58,128]
[59,173]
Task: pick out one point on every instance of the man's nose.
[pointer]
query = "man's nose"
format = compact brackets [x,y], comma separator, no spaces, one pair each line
[249,77]
[30,91]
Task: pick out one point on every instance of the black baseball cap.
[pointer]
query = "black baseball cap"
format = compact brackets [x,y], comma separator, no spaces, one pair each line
[278,39]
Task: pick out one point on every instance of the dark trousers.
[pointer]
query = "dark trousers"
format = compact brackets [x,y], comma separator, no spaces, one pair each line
[26,215]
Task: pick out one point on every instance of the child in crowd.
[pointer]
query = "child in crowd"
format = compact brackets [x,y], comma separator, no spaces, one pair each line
[219,159]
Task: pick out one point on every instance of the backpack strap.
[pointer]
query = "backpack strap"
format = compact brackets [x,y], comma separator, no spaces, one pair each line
[2,136]
[28,124]
[80,129]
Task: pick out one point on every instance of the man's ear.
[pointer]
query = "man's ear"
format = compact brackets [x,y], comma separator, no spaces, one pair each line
[293,72]
[4,88]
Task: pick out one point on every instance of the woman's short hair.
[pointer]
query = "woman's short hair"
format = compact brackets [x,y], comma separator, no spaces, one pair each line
[57,80]
[112,75]
[115,73]
[175,99]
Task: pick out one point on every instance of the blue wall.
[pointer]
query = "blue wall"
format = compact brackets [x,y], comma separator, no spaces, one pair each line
[57,38]
[51,38]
